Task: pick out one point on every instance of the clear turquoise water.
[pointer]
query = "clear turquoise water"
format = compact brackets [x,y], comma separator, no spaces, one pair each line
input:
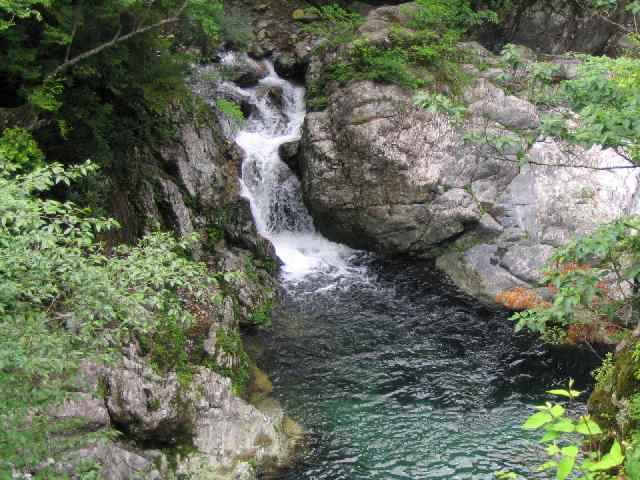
[403,377]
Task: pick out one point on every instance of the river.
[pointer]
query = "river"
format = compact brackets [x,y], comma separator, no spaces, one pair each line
[394,373]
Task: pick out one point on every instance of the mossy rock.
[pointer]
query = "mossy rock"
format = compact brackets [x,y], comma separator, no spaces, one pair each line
[601,407]
[626,382]
[259,384]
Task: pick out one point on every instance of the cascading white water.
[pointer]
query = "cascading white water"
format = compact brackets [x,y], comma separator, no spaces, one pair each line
[273,190]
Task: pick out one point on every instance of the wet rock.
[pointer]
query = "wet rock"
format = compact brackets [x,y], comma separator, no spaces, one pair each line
[242,232]
[253,287]
[244,71]
[272,93]
[289,154]
[289,66]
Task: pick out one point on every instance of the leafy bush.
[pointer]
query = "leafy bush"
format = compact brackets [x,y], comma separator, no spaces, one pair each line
[593,278]
[438,103]
[230,109]
[607,97]
[562,440]
[335,25]
[424,48]
[64,299]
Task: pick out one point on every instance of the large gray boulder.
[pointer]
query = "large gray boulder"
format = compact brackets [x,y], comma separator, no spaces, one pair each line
[205,412]
[543,208]
[378,173]
[561,26]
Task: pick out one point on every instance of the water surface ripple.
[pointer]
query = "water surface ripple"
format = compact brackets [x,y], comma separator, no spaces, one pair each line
[402,377]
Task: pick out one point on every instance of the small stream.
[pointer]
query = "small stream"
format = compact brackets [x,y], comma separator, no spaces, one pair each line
[393,372]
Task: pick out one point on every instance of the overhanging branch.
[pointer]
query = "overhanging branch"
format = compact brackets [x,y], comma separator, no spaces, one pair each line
[118,38]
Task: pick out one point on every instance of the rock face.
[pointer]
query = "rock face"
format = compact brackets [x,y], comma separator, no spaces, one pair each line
[221,426]
[559,27]
[378,173]
[542,208]
[381,174]
[189,184]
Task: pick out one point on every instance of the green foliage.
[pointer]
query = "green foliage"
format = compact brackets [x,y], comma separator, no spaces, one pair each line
[562,438]
[19,151]
[424,48]
[604,374]
[106,102]
[239,373]
[607,97]
[335,25]
[438,103]
[385,65]
[605,261]
[64,299]
[231,110]
[261,316]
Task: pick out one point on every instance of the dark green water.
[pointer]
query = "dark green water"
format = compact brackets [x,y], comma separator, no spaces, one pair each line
[403,377]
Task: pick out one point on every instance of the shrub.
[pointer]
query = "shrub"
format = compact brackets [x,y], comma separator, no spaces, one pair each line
[63,299]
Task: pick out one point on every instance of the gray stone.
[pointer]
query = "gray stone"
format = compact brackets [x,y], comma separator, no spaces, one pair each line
[489,101]
[221,426]
[117,462]
[245,71]
[560,26]
[290,66]
[173,203]
[525,261]
[84,407]
[289,154]
[380,174]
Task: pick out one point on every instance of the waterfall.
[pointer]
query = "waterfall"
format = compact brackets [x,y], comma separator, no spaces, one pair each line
[273,190]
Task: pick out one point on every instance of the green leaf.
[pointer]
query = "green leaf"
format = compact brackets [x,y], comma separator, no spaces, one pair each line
[610,460]
[570,451]
[565,466]
[565,393]
[564,426]
[537,420]
[557,410]
[586,426]
[549,437]
[547,466]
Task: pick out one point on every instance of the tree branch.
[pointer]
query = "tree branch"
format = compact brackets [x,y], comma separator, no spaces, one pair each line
[504,157]
[118,38]
[73,36]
